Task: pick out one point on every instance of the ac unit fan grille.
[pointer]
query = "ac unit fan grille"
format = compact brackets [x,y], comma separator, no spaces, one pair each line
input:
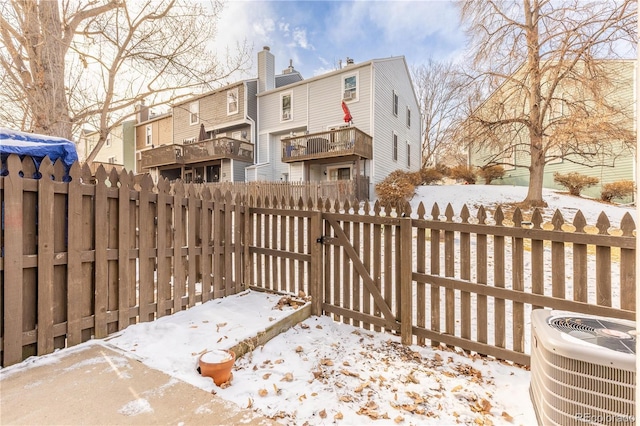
[601,332]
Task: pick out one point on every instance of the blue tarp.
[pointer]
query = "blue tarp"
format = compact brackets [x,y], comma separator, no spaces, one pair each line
[37,147]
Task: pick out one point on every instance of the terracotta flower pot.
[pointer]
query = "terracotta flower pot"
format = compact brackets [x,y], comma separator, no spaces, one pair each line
[217,364]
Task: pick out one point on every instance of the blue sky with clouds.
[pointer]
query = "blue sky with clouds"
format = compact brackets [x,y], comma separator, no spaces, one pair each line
[316,35]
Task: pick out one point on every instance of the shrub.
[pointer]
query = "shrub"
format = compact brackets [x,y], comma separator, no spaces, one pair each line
[464,173]
[489,173]
[575,182]
[396,188]
[431,175]
[443,169]
[619,189]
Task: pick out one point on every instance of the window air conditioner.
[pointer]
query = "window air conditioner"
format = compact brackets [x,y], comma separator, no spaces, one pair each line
[582,369]
[349,95]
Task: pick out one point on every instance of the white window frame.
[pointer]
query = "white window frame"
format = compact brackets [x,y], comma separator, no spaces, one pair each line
[394,147]
[107,141]
[149,135]
[408,154]
[194,113]
[394,106]
[113,159]
[408,117]
[332,172]
[350,93]
[286,115]
[232,96]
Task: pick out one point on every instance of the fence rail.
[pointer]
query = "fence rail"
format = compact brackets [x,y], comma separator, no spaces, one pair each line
[88,256]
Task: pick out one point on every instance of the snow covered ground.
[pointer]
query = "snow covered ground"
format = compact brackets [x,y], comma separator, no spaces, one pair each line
[323,372]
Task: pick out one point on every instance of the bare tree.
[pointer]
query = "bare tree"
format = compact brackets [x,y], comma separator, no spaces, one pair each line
[70,64]
[552,93]
[439,89]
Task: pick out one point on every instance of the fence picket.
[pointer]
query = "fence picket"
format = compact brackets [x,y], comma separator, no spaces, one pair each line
[435,270]
[603,265]
[499,281]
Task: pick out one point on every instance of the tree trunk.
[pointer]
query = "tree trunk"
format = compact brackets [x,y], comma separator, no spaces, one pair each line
[536,167]
[48,97]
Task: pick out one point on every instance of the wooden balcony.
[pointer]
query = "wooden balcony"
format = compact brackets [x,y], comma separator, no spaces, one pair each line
[198,152]
[345,142]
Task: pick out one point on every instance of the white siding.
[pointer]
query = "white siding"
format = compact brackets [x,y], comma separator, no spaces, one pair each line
[389,76]
[296,172]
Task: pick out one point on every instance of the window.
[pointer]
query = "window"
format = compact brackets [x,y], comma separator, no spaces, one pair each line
[194,112]
[339,173]
[395,147]
[148,137]
[408,154]
[350,87]
[232,101]
[107,141]
[395,103]
[408,117]
[285,107]
[112,160]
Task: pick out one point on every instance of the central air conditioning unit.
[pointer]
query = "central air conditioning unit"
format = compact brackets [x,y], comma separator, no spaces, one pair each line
[583,369]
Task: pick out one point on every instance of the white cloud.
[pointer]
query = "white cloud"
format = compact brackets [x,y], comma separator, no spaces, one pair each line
[300,37]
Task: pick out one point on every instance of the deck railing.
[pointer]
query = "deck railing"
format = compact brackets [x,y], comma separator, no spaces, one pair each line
[343,142]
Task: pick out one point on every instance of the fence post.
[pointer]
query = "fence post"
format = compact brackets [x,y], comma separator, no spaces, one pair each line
[316,278]
[406,270]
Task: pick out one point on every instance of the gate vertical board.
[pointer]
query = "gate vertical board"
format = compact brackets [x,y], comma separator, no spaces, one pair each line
[481,260]
[465,274]
[377,264]
[45,260]
[101,270]
[449,271]
[229,279]
[205,256]
[406,282]
[499,281]
[146,240]
[355,279]
[580,290]
[537,258]
[316,277]
[75,300]
[387,242]
[60,246]
[218,236]
[366,261]
[164,261]
[238,243]
[112,275]
[178,238]
[123,252]
[346,270]
[557,259]
[627,267]
[517,276]
[420,305]
[192,247]
[29,248]
[603,265]
[434,305]
[88,246]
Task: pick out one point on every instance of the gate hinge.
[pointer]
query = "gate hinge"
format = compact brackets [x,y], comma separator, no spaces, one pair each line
[320,240]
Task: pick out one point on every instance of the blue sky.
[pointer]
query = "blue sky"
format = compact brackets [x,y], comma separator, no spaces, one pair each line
[316,35]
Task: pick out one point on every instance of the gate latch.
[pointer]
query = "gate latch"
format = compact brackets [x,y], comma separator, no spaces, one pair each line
[320,240]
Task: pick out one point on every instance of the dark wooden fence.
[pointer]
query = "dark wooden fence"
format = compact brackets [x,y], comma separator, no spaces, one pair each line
[86,258]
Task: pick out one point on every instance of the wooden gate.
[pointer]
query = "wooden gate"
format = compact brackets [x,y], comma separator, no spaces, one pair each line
[367,279]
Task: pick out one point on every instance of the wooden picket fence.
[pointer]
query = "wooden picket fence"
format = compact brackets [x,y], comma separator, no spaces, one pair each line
[86,257]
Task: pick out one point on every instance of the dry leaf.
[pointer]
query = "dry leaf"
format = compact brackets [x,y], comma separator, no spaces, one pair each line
[250,403]
[346,398]
[263,392]
[314,394]
[338,416]
[279,361]
[348,373]
[326,361]
[275,388]
[323,414]
[299,349]
[411,378]
[457,388]
[304,326]
[287,378]
[193,326]
[266,376]
[319,327]
[346,364]
[507,417]
[301,294]
[399,419]
[301,397]
[219,340]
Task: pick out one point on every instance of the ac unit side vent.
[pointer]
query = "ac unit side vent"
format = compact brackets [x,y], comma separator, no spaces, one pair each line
[575,383]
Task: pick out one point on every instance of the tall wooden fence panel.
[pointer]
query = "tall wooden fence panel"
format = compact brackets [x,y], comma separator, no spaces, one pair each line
[86,256]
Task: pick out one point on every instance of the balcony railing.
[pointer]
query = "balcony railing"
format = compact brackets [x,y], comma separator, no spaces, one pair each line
[343,142]
[197,152]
